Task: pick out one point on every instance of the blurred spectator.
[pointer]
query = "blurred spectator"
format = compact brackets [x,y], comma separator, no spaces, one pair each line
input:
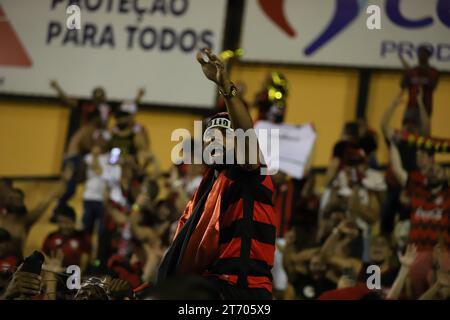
[439,277]
[420,78]
[391,205]
[80,111]
[307,274]
[271,100]
[286,198]
[75,245]
[429,204]
[342,148]
[356,191]
[6,185]
[10,258]
[18,220]
[80,144]
[307,209]
[368,141]
[127,135]
[381,254]
[95,164]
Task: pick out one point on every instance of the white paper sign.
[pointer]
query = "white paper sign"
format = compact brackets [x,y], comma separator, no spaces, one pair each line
[295,146]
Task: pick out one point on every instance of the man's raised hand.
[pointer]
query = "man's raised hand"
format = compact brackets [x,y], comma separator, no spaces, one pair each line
[213,68]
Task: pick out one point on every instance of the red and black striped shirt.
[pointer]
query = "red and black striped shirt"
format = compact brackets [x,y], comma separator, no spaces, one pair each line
[234,239]
[430,217]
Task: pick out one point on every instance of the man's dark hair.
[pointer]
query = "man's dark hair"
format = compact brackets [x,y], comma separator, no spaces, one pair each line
[98,89]
[216,116]
[5,236]
[429,151]
[19,192]
[121,114]
[66,211]
[351,129]
[7,182]
[208,122]
[425,49]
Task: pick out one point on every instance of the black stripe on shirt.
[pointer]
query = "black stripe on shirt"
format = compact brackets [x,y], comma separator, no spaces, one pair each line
[233,266]
[262,232]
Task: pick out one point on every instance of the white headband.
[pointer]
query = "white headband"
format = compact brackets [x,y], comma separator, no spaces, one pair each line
[219,123]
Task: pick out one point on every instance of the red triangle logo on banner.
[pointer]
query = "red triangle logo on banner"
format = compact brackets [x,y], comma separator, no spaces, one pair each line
[12,53]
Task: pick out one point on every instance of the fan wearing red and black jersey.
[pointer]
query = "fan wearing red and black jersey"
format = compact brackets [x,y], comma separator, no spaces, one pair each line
[430,215]
[228,229]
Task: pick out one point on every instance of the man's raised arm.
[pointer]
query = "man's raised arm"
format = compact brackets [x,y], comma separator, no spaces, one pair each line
[62,95]
[396,163]
[215,71]
[425,121]
[387,116]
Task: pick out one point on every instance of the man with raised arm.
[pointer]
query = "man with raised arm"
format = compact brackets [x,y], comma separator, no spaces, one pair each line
[227,232]
[422,77]
[408,154]
[429,204]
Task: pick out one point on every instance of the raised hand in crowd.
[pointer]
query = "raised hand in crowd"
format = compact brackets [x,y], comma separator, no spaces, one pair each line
[440,290]
[37,212]
[425,119]
[386,129]
[140,94]
[406,260]
[62,94]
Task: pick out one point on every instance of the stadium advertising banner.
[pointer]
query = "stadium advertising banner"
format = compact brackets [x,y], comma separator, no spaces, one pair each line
[121,45]
[361,33]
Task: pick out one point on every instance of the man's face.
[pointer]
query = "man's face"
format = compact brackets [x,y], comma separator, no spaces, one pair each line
[124,121]
[436,176]
[4,187]
[423,55]
[410,127]
[4,248]
[98,95]
[380,250]
[316,267]
[163,212]
[276,113]
[15,199]
[217,144]
[66,225]
[424,161]
[15,202]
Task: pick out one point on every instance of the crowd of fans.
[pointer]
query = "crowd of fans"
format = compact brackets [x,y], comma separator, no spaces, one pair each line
[367,221]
